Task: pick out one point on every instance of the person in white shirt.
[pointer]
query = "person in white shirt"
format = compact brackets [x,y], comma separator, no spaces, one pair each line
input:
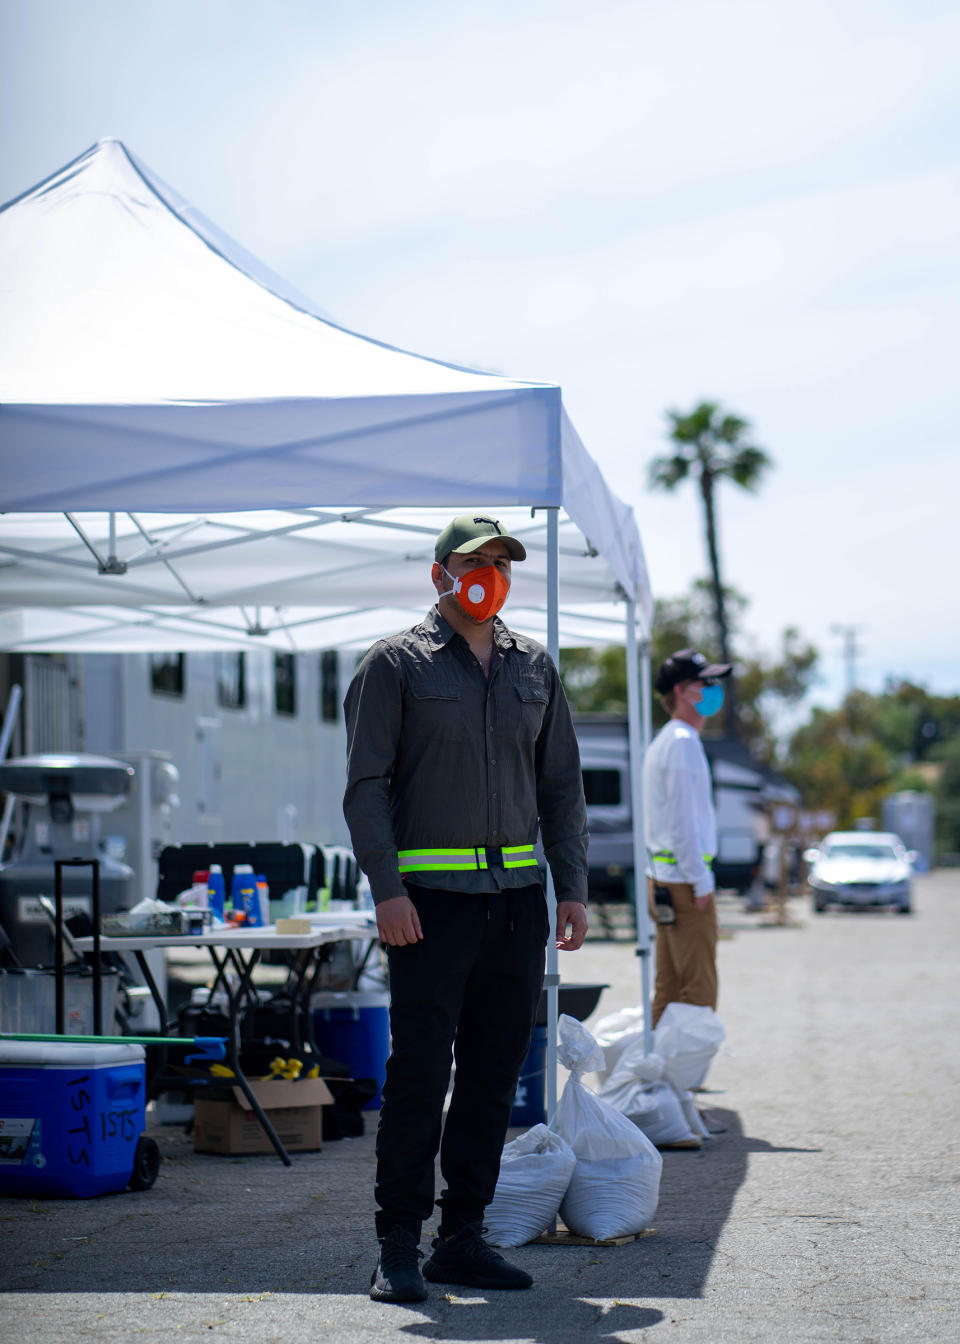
[681,833]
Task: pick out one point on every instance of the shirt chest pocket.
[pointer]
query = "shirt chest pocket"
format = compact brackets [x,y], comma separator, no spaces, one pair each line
[435,710]
[522,708]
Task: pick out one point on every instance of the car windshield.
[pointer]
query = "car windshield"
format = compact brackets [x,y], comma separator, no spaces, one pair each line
[853,851]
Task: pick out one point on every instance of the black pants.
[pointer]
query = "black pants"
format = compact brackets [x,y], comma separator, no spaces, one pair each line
[471,987]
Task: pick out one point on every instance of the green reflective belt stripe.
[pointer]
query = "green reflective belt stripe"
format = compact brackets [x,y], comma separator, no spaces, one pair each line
[521,856]
[463,860]
[665,856]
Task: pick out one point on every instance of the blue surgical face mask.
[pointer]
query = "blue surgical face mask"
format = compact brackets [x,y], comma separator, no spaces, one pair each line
[711,698]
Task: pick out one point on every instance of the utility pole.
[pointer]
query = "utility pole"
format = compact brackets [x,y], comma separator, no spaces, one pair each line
[848,633]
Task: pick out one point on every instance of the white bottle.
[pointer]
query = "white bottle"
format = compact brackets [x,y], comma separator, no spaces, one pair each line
[195,897]
[200,891]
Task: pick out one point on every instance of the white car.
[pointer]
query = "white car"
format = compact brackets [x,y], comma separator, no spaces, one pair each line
[861,868]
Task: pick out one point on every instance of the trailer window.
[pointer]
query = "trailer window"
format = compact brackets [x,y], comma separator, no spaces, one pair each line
[329,686]
[285,683]
[231,680]
[602,788]
[167,676]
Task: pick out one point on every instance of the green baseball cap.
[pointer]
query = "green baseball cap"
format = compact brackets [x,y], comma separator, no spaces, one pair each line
[469,532]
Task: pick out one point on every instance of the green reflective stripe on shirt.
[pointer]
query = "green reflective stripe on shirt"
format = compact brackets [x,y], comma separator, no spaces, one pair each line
[665,856]
[462,860]
[439,865]
[438,860]
[521,856]
[437,854]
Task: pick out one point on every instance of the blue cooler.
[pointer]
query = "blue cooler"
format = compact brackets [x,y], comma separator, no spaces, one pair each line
[70,1117]
[529,1106]
[354,1027]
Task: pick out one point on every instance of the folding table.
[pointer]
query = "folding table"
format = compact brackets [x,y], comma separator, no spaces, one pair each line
[241,950]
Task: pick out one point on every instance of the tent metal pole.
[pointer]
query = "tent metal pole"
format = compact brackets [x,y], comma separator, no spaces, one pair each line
[646,696]
[646,682]
[552,979]
[6,737]
[637,740]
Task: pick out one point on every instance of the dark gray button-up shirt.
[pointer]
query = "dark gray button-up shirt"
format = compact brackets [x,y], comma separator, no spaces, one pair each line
[440,756]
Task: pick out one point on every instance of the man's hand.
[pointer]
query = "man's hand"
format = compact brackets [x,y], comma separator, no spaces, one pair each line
[572,915]
[701,902]
[398,923]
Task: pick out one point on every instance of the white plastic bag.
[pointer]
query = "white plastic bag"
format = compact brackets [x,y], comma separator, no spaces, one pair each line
[655,1108]
[635,1066]
[535,1170]
[691,1113]
[614,1033]
[616,1182]
[688,1037]
[638,1090]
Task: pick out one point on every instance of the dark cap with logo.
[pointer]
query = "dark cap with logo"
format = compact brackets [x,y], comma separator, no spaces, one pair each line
[470,531]
[688,665]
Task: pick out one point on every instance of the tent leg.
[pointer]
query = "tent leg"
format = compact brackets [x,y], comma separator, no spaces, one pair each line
[638,737]
[552,978]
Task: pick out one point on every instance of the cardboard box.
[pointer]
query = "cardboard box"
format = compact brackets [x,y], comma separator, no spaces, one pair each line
[223,1122]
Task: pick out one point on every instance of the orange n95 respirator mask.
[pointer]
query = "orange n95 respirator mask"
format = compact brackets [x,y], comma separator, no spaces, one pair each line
[481,593]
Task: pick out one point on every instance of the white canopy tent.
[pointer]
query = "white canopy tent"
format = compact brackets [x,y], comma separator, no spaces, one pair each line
[195,456]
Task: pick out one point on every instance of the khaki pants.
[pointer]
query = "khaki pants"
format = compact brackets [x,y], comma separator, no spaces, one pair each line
[686,952]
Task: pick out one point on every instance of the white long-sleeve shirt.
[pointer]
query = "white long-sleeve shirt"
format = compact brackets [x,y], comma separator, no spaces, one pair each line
[679,818]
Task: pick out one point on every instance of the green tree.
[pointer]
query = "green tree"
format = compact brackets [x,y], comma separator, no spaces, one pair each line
[838,763]
[948,797]
[596,679]
[710,446]
[914,723]
[766,686]
[849,759]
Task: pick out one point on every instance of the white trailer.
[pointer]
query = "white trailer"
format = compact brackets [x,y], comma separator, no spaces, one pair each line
[741,790]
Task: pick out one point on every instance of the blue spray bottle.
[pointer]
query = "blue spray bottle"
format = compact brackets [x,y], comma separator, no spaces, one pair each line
[216,891]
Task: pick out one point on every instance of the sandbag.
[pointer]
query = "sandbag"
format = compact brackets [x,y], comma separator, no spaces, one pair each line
[655,1108]
[691,1113]
[615,1184]
[535,1170]
[637,1088]
[614,1033]
[636,1066]
[687,1036]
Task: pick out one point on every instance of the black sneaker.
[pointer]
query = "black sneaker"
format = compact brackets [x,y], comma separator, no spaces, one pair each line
[397,1277]
[467,1259]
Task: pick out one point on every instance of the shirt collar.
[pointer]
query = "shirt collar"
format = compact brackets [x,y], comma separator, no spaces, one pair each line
[438,630]
[502,636]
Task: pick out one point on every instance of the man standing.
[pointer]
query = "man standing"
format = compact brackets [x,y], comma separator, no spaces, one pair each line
[460,746]
[681,833]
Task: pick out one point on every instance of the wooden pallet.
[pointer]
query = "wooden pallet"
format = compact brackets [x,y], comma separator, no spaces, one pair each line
[562,1236]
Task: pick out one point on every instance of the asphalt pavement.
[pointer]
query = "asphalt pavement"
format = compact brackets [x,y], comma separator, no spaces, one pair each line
[828,1209]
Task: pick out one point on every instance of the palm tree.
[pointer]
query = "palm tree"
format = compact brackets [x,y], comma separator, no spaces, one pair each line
[709,446]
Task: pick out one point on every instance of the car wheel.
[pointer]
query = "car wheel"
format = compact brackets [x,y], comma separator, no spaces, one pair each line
[904,909]
[819,907]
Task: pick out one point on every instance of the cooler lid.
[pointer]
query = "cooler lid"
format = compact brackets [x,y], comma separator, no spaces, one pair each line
[57,773]
[350,998]
[63,1054]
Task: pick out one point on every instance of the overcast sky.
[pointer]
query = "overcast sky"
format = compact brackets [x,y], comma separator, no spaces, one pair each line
[648,203]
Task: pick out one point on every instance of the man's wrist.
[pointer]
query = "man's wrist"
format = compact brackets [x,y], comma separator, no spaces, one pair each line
[382,893]
[571,900]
